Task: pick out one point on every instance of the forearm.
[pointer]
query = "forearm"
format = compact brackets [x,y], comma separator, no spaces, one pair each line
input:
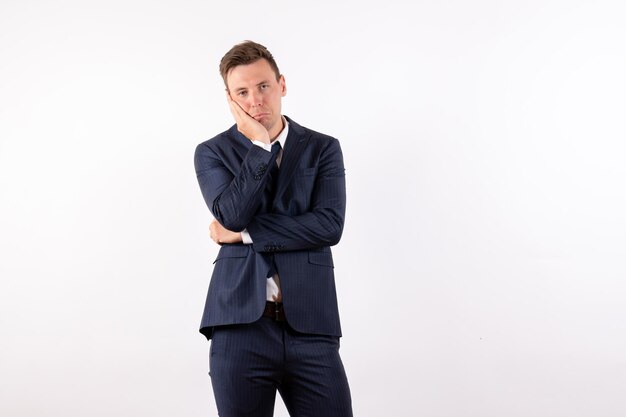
[322,222]
[279,232]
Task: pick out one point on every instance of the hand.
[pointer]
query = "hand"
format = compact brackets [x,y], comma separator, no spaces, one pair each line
[246,124]
[221,235]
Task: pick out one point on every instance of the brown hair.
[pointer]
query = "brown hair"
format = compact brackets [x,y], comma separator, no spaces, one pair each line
[245,53]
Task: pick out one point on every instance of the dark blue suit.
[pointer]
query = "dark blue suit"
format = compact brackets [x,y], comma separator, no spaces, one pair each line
[296,228]
[292,228]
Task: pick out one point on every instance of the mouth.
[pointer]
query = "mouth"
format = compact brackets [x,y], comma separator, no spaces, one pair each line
[260,116]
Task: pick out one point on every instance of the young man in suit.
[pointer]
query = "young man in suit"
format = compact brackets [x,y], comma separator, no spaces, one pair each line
[277,192]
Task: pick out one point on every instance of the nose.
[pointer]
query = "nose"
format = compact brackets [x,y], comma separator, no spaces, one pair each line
[256,99]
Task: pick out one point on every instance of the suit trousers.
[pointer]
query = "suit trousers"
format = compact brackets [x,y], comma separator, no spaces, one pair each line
[249,362]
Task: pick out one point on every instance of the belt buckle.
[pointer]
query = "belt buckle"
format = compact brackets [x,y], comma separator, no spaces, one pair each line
[276,310]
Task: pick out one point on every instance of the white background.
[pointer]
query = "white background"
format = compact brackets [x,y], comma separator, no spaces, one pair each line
[481,271]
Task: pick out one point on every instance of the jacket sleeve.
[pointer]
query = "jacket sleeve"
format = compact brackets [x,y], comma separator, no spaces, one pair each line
[321,226]
[232,197]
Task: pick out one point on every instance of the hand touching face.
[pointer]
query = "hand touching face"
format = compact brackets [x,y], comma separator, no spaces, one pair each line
[254,89]
[246,124]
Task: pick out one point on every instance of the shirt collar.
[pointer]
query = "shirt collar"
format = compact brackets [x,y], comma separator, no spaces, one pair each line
[282,136]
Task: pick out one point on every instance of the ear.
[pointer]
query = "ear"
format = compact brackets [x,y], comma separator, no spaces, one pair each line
[283,86]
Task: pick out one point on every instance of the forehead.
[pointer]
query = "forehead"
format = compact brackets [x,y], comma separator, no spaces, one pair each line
[245,76]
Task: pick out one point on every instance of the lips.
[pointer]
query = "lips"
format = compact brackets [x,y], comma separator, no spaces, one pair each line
[260,115]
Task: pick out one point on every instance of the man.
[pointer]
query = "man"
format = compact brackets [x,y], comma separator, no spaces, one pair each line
[277,192]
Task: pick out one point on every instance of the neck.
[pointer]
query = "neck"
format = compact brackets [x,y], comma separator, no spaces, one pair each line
[277,132]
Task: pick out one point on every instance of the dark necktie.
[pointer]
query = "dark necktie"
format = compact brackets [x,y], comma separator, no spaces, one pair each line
[273,175]
[271,190]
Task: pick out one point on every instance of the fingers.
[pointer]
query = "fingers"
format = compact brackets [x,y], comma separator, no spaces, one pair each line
[246,124]
[213,231]
[238,113]
[232,107]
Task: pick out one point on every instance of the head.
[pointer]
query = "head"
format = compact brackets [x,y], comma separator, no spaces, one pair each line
[252,79]
[246,53]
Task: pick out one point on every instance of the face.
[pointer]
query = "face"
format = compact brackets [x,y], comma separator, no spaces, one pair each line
[255,88]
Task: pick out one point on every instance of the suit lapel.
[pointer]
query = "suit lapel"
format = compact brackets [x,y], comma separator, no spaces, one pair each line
[297,139]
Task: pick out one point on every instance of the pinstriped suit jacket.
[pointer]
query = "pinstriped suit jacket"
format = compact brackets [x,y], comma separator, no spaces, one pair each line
[294,227]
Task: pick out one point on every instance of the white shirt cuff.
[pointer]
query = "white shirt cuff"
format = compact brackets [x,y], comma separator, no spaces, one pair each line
[266,146]
[245,237]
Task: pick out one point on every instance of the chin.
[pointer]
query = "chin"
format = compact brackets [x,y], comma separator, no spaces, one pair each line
[268,124]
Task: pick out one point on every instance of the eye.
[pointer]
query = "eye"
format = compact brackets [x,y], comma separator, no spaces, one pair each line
[242,93]
[264,86]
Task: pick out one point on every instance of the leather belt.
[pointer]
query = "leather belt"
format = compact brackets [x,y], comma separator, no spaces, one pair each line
[274,311]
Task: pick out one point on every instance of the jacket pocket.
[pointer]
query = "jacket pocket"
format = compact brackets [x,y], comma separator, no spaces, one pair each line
[324,258]
[233,251]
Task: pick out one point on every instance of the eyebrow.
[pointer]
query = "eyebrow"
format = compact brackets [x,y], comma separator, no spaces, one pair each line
[245,88]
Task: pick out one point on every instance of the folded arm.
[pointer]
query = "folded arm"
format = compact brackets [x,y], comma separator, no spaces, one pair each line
[232,198]
[321,226]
